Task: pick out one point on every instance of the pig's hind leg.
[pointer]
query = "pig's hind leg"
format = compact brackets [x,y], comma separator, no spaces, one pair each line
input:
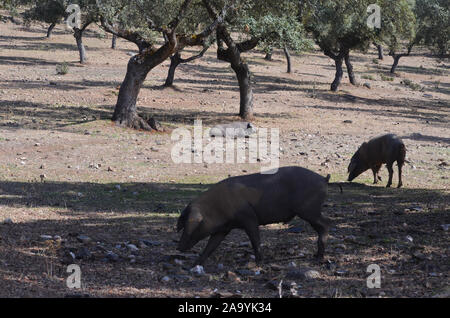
[320,224]
[214,241]
[252,231]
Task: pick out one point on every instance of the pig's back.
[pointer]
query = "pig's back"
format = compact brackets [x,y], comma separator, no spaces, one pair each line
[275,197]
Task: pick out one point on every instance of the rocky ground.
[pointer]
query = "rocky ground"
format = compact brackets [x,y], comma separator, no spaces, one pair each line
[76,189]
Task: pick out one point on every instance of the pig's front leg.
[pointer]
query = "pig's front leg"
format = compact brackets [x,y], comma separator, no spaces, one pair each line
[213,243]
[391,173]
[375,170]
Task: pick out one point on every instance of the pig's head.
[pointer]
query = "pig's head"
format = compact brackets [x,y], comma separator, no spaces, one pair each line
[191,222]
[358,164]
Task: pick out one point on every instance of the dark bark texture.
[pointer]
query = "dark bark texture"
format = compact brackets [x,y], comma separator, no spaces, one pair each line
[232,54]
[114,42]
[288,60]
[351,74]
[78,34]
[50,29]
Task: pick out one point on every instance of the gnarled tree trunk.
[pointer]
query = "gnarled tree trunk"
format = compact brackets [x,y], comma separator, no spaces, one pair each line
[125,113]
[78,34]
[114,42]
[396,58]
[50,29]
[175,60]
[348,64]
[380,51]
[288,59]
[245,89]
[233,55]
[339,73]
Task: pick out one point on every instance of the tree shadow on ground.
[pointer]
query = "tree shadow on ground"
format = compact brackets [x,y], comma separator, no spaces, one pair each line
[407,108]
[370,220]
[23,114]
[420,137]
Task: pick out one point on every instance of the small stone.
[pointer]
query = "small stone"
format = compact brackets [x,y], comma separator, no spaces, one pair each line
[112,256]
[165,279]
[409,238]
[296,229]
[46,237]
[220,267]
[110,169]
[341,272]
[132,247]
[198,270]
[8,221]
[367,85]
[150,243]
[347,121]
[233,277]
[445,227]
[84,239]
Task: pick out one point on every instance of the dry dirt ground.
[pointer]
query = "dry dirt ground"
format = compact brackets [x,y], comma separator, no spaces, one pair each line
[119,186]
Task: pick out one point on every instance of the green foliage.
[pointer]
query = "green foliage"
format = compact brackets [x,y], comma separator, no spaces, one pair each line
[275,22]
[433,18]
[50,11]
[398,24]
[53,11]
[337,25]
[62,69]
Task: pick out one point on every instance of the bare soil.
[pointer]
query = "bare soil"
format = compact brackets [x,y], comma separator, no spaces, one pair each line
[66,170]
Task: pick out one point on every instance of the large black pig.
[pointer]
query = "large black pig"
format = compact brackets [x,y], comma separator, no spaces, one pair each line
[371,155]
[245,202]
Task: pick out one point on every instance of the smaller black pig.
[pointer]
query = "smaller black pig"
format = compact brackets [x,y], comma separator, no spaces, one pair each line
[371,155]
[245,202]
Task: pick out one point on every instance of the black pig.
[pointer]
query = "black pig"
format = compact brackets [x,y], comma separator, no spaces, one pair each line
[371,155]
[245,202]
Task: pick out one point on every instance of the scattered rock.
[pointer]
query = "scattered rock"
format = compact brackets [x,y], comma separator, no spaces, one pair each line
[150,243]
[233,130]
[111,256]
[367,85]
[8,221]
[231,276]
[409,239]
[347,121]
[84,239]
[132,248]
[296,229]
[303,274]
[445,227]
[165,279]
[46,237]
[198,270]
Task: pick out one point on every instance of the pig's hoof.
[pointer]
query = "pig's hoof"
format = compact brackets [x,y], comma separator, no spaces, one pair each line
[388,185]
[379,178]
[400,185]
